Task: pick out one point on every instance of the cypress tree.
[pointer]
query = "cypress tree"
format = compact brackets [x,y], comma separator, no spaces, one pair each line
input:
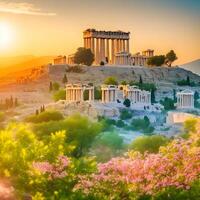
[141,81]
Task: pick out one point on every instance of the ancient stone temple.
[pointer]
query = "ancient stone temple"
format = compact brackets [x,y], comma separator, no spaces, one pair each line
[137,96]
[59,60]
[185,99]
[75,92]
[109,93]
[106,44]
[141,59]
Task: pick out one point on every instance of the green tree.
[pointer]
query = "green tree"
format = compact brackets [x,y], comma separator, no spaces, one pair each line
[153,98]
[125,114]
[80,132]
[140,81]
[107,145]
[55,86]
[84,56]
[156,60]
[170,58]
[64,80]
[149,143]
[127,103]
[59,95]
[168,103]
[111,139]
[111,81]
[45,116]
[188,80]
[123,82]
[50,86]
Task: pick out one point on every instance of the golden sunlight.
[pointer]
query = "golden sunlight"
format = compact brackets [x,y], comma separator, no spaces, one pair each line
[6,35]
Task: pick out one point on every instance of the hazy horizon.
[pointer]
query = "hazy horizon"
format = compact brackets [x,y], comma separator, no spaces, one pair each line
[55,28]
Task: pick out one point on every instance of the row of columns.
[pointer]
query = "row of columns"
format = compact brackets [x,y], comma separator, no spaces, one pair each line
[122,60]
[139,60]
[185,101]
[108,96]
[75,95]
[106,48]
[138,96]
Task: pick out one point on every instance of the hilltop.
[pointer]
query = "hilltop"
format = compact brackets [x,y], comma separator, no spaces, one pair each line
[193,66]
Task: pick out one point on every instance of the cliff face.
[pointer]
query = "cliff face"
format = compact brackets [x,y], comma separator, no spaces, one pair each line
[98,74]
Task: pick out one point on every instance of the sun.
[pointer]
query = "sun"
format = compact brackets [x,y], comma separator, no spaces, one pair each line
[6,35]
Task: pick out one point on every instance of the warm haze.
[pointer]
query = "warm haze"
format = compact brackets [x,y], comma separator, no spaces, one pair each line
[52,27]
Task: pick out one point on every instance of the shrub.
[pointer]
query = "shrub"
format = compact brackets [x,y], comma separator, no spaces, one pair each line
[172,173]
[59,95]
[142,124]
[186,82]
[102,63]
[111,81]
[46,116]
[106,146]
[120,124]
[56,86]
[123,82]
[127,103]
[125,114]
[148,143]
[80,132]
[168,103]
[111,139]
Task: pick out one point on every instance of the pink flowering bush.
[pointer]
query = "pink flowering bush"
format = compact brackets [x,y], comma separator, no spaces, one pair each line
[57,170]
[176,166]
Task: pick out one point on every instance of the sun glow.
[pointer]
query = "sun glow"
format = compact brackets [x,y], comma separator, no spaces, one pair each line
[6,35]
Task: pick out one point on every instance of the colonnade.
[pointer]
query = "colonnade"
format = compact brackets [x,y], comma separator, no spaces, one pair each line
[139,60]
[136,95]
[75,92]
[122,59]
[109,93]
[185,99]
[105,44]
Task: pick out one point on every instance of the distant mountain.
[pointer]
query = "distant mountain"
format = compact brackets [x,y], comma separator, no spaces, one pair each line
[15,64]
[193,66]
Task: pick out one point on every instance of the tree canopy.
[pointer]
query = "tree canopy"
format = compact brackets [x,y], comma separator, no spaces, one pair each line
[148,143]
[156,60]
[84,56]
[170,58]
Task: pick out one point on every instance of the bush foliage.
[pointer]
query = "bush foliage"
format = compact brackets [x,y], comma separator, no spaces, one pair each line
[46,116]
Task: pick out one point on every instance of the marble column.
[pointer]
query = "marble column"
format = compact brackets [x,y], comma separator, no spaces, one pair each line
[123,45]
[112,51]
[103,50]
[92,45]
[108,50]
[127,46]
[116,46]
[97,50]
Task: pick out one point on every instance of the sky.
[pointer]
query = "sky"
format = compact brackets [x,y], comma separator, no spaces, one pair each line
[55,27]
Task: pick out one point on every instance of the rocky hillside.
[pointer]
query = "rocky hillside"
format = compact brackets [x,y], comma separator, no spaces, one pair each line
[98,74]
[193,66]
